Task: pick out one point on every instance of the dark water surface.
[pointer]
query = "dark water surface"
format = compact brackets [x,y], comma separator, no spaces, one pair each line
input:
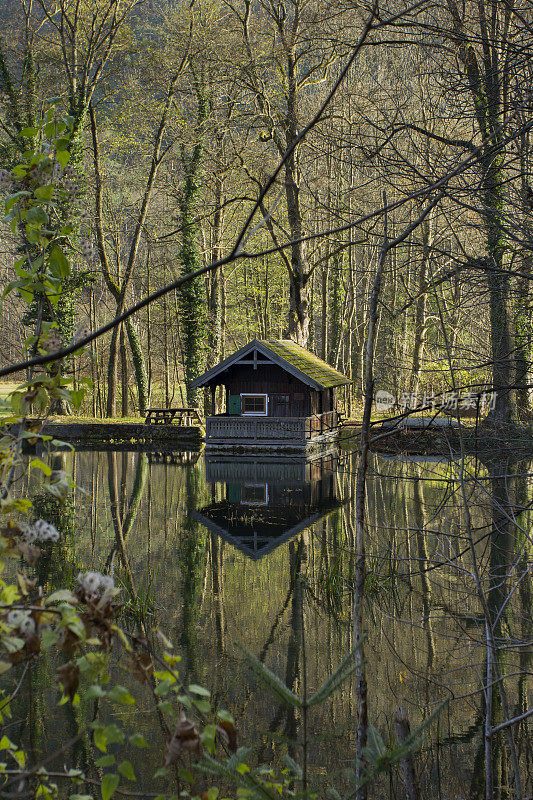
[263,553]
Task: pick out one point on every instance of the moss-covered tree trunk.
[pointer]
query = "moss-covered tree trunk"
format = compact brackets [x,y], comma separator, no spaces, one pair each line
[216,277]
[523,328]
[139,365]
[215,281]
[191,295]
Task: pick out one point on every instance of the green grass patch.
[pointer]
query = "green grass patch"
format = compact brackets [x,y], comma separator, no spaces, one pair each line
[7,387]
[68,419]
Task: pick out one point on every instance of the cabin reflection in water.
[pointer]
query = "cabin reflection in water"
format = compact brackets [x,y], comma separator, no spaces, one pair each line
[256,506]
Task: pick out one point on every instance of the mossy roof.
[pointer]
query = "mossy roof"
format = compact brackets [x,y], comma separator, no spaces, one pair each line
[290,356]
[310,365]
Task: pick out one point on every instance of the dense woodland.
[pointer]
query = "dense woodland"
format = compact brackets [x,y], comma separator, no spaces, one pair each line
[183,111]
[179,178]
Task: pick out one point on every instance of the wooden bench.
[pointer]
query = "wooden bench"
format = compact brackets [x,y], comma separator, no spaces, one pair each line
[160,416]
[166,416]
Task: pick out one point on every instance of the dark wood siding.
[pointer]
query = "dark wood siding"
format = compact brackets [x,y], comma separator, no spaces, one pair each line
[288,397]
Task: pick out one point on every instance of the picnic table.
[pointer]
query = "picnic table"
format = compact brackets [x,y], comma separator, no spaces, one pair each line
[166,416]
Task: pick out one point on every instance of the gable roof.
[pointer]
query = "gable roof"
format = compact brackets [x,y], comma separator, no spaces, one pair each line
[256,546]
[293,358]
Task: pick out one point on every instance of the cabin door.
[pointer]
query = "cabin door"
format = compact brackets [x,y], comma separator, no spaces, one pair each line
[234,404]
[279,405]
[298,405]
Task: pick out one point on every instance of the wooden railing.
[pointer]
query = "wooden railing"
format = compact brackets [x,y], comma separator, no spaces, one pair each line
[320,424]
[240,429]
[285,430]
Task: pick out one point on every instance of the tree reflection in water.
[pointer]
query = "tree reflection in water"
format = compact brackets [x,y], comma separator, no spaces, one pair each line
[263,553]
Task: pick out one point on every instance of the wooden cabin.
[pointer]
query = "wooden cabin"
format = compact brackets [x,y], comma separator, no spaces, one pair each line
[257,505]
[277,395]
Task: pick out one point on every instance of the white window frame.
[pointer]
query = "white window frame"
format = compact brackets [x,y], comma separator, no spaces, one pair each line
[254,413]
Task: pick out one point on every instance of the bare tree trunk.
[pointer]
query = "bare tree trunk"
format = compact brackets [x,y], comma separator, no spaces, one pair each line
[324,311]
[112,374]
[522,324]
[148,333]
[298,273]
[124,373]
[402,728]
[360,565]
[420,312]
[165,348]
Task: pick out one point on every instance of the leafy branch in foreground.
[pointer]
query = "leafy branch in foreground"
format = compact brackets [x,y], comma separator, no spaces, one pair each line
[81,627]
[378,757]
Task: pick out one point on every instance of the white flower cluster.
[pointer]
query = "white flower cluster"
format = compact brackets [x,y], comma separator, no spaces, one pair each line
[22,621]
[39,531]
[94,583]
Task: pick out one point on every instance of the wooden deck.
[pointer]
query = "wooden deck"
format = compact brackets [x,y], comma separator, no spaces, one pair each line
[220,468]
[271,432]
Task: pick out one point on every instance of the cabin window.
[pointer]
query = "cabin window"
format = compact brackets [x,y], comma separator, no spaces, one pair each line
[254,404]
[254,494]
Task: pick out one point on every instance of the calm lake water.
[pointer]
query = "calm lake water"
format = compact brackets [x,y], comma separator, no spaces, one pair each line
[220,552]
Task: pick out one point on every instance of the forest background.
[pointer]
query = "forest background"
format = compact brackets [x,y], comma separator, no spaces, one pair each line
[290,152]
[182,113]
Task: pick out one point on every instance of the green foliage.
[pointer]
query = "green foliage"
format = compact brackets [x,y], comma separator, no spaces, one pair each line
[380,758]
[77,624]
[191,295]
[345,669]
[273,683]
[377,756]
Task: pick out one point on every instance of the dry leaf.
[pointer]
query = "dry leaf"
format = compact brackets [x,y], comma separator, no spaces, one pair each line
[68,676]
[29,551]
[226,731]
[186,737]
[142,666]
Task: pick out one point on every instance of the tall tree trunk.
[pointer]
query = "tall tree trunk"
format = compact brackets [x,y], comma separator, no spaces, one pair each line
[498,284]
[123,373]
[215,278]
[191,294]
[112,374]
[487,80]
[420,312]
[139,365]
[523,328]
[165,354]
[298,273]
[336,317]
